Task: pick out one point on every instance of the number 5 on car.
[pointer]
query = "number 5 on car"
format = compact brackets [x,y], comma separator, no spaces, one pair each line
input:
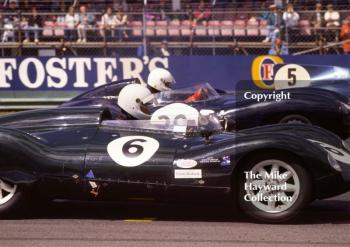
[291,76]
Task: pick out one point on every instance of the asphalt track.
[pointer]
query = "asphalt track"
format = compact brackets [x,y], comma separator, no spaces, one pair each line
[324,223]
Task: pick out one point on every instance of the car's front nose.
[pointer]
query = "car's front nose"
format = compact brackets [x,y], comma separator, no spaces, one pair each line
[338,181]
[345,172]
[333,184]
[344,161]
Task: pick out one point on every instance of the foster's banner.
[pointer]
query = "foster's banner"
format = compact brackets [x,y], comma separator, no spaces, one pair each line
[83,73]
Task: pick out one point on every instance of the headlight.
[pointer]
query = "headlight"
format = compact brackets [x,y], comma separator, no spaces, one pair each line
[346,146]
[334,163]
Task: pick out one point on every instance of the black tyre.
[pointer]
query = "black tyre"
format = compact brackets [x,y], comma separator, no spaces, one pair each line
[282,188]
[11,198]
[295,118]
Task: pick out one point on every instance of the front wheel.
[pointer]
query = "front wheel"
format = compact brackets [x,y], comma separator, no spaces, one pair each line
[11,197]
[273,188]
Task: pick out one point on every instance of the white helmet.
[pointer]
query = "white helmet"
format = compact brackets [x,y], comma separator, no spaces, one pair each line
[133,99]
[160,79]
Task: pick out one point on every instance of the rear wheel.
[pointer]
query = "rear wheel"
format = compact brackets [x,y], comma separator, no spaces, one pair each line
[11,197]
[273,188]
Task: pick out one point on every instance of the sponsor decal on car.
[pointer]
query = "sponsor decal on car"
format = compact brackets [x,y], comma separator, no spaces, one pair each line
[187,173]
[185,163]
[226,161]
[210,160]
[90,175]
[291,76]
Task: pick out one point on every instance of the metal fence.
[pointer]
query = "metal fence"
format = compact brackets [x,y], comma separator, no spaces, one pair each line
[224,33]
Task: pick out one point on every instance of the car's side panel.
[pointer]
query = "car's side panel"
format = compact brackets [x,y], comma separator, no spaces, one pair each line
[50,159]
[112,161]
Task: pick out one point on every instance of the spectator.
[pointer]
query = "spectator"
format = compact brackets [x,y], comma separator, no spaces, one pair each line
[290,18]
[164,50]
[273,23]
[86,20]
[189,12]
[71,21]
[24,25]
[317,22]
[202,13]
[345,35]
[278,48]
[331,17]
[9,26]
[107,23]
[121,22]
[317,19]
[10,21]
[33,26]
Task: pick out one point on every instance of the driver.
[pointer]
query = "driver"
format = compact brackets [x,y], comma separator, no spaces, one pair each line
[134,100]
[160,80]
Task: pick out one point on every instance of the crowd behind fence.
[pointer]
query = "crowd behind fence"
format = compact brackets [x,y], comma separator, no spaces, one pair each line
[200,30]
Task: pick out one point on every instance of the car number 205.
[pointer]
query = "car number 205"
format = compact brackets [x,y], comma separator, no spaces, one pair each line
[131,151]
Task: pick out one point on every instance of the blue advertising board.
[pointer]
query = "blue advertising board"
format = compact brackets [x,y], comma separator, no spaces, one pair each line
[83,73]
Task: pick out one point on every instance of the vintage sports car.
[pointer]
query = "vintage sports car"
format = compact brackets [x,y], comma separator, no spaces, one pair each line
[271,172]
[317,106]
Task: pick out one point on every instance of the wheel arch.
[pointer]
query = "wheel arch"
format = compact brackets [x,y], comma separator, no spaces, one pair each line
[18,156]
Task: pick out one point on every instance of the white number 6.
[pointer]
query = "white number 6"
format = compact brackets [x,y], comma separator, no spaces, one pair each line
[131,151]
